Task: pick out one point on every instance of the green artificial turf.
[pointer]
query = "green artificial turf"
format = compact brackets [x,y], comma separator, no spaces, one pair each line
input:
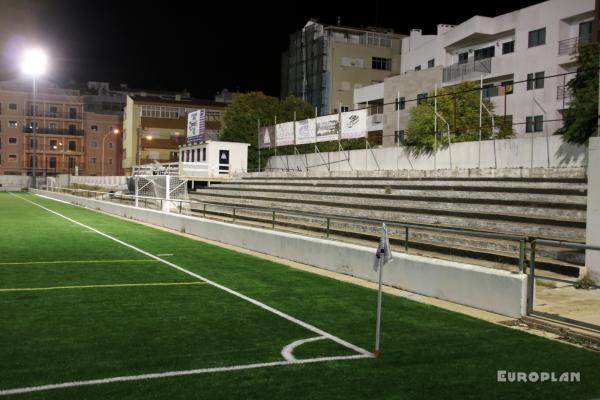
[79,334]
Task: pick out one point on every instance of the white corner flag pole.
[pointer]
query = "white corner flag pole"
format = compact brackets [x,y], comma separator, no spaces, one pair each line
[378,323]
[383,256]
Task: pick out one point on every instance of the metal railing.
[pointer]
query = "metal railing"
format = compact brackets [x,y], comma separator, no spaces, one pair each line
[54,131]
[532,277]
[58,114]
[569,46]
[468,70]
[563,92]
[327,219]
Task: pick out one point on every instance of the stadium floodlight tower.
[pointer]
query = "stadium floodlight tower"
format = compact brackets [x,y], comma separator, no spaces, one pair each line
[34,64]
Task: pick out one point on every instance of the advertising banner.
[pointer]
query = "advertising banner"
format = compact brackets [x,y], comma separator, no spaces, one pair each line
[305,131]
[354,124]
[196,126]
[267,137]
[328,128]
[284,134]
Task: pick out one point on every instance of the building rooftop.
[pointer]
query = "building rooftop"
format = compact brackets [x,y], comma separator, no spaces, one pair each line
[177,102]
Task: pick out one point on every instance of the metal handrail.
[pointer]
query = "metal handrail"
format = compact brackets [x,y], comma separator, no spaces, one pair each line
[328,218]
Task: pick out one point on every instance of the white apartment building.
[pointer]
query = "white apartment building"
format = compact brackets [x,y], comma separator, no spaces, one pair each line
[513,51]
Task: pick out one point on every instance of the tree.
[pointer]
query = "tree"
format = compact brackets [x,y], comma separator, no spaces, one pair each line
[581,117]
[459,106]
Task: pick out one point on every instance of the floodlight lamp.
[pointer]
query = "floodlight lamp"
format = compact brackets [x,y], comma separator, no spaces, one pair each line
[34,62]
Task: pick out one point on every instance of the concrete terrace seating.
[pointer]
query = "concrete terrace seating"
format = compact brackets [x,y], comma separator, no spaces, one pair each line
[543,207]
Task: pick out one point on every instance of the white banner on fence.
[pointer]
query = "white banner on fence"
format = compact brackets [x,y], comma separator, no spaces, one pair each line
[284,134]
[305,131]
[354,124]
[328,128]
[267,137]
[196,126]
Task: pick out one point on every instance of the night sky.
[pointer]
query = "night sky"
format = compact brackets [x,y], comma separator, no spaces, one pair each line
[193,45]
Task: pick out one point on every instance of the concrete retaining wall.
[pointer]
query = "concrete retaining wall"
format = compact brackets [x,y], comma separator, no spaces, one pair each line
[488,289]
[510,153]
[13,182]
[592,258]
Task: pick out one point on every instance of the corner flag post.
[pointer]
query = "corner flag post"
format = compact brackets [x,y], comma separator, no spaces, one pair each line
[383,256]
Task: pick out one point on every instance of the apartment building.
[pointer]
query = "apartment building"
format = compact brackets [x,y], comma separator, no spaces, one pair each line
[325,63]
[535,45]
[155,126]
[62,134]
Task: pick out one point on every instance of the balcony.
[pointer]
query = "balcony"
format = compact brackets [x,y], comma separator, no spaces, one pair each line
[470,70]
[53,131]
[563,93]
[57,115]
[569,46]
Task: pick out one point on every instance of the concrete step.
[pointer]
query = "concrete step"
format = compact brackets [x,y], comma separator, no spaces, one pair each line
[573,188]
[525,199]
[390,202]
[529,228]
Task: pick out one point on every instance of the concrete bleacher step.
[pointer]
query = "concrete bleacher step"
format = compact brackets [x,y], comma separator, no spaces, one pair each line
[472,197]
[502,253]
[565,187]
[472,209]
[508,224]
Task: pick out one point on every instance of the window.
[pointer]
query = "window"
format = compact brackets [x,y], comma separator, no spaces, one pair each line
[482,54]
[93,144]
[421,98]
[93,160]
[344,108]
[381,63]
[71,162]
[72,129]
[53,145]
[508,47]
[72,113]
[400,103]
[12,106]
[508,87]
[110,145]
[489,90]
[110,161]
[94,128]
[463,58]
[204,154]
[53,111]
[12,157]
[418,68]
[537,37]
[399,136]
[12,140]
[12,124]
[535,80]
[52,126]
[585,31]
[534,123]
[72,145]
[430,63]
[52,162]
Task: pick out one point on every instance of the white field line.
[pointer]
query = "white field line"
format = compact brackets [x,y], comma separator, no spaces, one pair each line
[116,285]
[74,262]
[288,350]
[130,378]
[281,314]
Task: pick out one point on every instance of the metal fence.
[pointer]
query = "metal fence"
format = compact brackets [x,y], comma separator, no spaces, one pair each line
[275,218]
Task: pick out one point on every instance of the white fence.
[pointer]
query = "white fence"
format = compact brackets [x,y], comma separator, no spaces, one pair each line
[537,152]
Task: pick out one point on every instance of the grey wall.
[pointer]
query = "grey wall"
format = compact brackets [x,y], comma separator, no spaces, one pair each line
[510,153]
